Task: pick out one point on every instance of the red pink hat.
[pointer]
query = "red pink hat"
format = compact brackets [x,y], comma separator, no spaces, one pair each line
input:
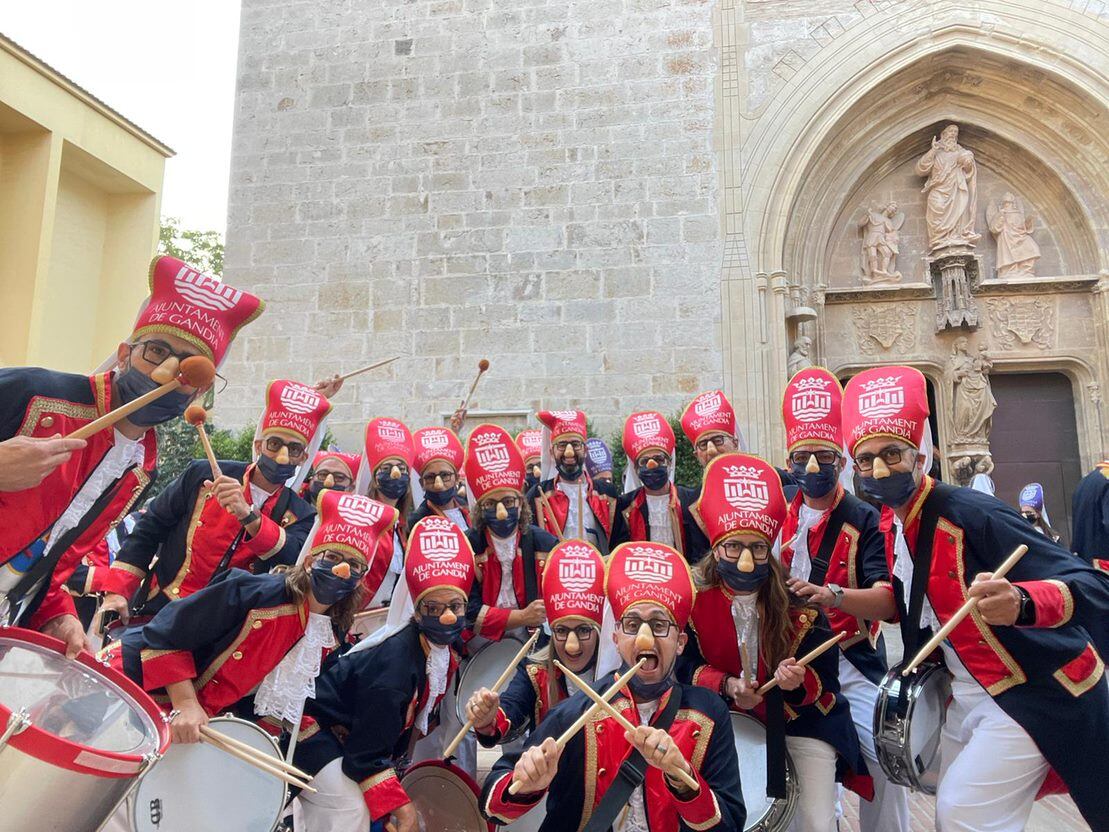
[740,493]
[348,461]
[351,523]
[885,401]
[643,571]
[493,463]
[562,423]
[293,410]
[388,439]
[438,557]
[530,443]
[710,412]
[645,431]
[437,444]
[811,410]
[574,583]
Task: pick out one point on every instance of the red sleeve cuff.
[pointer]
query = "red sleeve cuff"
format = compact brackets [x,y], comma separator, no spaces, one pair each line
[699,809]
[707,676]
[497,731]
[269,540]
[383,793]
[1053,600]
[492,622]
[57,602]
[809,692]
[123,579]
[502,807]
[163,667]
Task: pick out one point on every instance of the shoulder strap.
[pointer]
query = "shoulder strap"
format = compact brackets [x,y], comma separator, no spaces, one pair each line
[934,504]
[527,553]
[823,558]
[631,772]
[279,508]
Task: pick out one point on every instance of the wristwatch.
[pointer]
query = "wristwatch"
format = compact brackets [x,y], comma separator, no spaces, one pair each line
[1026,615]
[250,518]
[837,595]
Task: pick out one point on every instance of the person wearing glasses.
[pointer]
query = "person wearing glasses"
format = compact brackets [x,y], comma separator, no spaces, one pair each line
[435,477]
[375,699]
[333,470]
[574,597]
[835,556]
[608,777]
[201,525]
[59,497]
[1029,694]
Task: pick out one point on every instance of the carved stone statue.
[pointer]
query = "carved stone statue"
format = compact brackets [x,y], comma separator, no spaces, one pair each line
[974,403]
[952,191]
[1017,252]
[880,248]
[799,359]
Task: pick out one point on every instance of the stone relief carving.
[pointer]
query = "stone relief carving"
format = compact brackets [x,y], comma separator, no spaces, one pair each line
[953,273]
[884,328]
[799,359]
[973,402]
[1020,322]
[951,189]
[1017,252]
[880,246]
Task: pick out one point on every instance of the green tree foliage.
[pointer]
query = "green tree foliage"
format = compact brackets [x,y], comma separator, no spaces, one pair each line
[202,249]
[688,471]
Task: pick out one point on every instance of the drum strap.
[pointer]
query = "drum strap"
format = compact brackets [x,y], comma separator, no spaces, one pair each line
[631,771]
[823,557]
[279,508]
[531,582]
[776,786]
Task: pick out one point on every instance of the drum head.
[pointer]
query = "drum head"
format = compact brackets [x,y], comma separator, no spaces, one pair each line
[929,712]
[750,747]
[482,671]
[197,786]
[369,621]
[78,701]
[445,797]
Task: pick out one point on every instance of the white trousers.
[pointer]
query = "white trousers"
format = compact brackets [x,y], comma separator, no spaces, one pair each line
[434,744]
[337,805]
[990,770]
[889,811]
[814,763]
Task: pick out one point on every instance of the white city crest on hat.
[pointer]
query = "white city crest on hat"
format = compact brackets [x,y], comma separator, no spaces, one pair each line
[439,545]
[708,403]
[646,425]
[648,566]
[358,510]
[597,454]
[491,453]
[433,440]
[299,399]
[744,490]
[812,401]
[881,397]
[565,415]
[206,291]
[577,570]
[390,431]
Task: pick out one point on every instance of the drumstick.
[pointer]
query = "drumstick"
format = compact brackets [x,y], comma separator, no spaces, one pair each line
[195,371]
[196,415]
[804,660]
[482,366]
[358,616]
[258,764]
[549,513]
[625,723]
[368,367]
[963,611]
[212,733]
[608,696]
[501,680]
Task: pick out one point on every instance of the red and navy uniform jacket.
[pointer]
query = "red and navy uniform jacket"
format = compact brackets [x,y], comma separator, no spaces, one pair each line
[224,639]
[632,520]
[190,532]
[379,566]
[489,621]
[858,561]
[43,403]
[91,574]
[365,708]
[1090,517]
[600,504]
[815,709]
[1049,676]
[590,762]
[525,702]
[426,509]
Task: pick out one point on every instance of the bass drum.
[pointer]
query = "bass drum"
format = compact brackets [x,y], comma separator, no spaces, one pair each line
[908,743]
[445,797]
[482,670]
[529,822]
[197,786]
[764,814]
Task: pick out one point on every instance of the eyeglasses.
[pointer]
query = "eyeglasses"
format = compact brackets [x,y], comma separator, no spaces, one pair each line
[823,457]
[659,460]
[338,479]
[386,469]
[358,566]
[508,502]
[719,440]
[435,609]
[660,627]
[890,455]
[583,631]
[732,549]
[561,446]
[158,352]
[446,476]
[275,443]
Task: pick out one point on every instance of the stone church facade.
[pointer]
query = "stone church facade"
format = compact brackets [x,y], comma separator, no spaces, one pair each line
[622,202]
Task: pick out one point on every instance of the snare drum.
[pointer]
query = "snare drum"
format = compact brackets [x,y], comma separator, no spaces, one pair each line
[908,745]
[198,786]
[368,622]
[445,797]
[482,671]
[75,737]
[764,814]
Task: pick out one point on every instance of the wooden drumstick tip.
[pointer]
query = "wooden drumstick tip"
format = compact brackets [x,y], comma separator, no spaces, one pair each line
[197,371]
[196,415]
[483,365]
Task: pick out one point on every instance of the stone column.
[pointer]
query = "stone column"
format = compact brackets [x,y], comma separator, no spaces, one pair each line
[1101,417]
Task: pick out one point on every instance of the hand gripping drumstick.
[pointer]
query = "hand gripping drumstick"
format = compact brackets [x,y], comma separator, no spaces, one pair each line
[500,683]
[268,766]
[367,368]
[196,371]
[804,660]
[625,723]
[607,696]
[963,611]
[196,415]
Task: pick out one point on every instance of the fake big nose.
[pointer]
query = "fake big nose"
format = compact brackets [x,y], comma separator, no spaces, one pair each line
[746,561]
[813,466]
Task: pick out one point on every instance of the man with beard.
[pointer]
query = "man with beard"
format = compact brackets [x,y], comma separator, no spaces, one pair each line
[628,780]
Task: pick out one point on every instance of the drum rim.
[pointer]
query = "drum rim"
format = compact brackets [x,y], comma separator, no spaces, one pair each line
[458,772]
[785,806]
[882,717]
[50,748]
[466,663]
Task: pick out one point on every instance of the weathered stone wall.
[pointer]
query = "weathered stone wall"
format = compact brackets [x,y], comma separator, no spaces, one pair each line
[529,181]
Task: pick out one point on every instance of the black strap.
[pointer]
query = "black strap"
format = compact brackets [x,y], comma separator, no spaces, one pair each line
[276,514]
[631,771]
[527,552]
[820,563]
[776,745]
[934,504]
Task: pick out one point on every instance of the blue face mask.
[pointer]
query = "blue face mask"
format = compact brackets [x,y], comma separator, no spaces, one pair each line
[317,488]
[442,498]
[530,481]
[328,587]
[439,633]
[394,489]
[893,491]
[273,471]
[647,691]
[131,384]
[569,472]
[654,478]
[501,528]
[818,484]
[742,581]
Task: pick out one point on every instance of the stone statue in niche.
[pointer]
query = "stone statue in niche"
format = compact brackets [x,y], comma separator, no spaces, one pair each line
[974,404]
[1017,252]
[799,359]
[951,189]
[880,227]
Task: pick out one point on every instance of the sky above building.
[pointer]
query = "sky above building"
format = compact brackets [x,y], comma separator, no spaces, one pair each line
[168,67]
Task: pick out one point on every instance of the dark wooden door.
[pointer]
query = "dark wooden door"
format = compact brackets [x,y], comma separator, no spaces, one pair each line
[1035,439]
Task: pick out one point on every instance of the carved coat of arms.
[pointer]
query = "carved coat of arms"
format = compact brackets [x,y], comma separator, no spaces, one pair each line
[1019,322]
